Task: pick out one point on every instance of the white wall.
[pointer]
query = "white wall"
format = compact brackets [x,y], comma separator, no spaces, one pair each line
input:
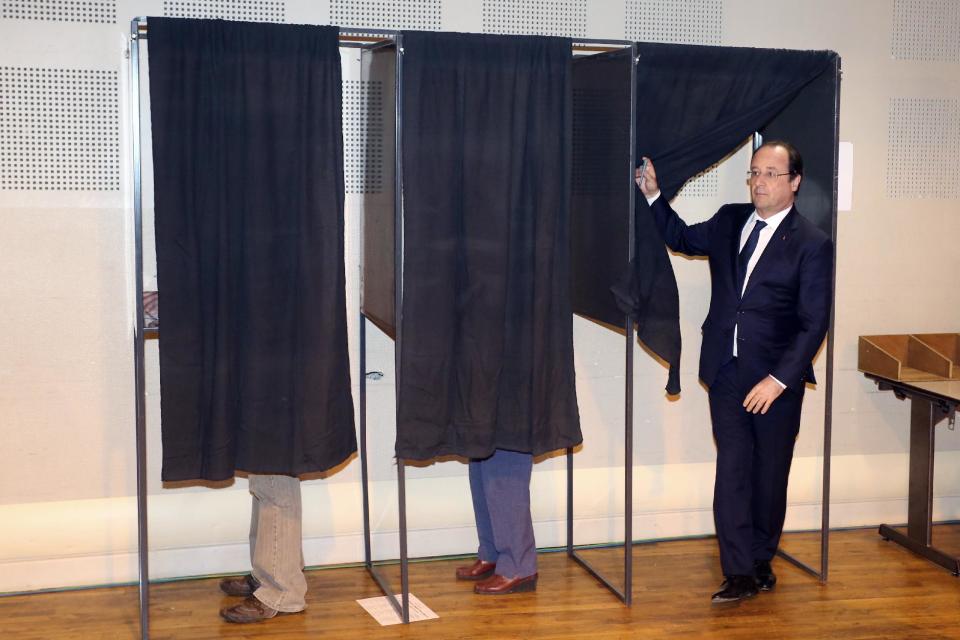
[67,465]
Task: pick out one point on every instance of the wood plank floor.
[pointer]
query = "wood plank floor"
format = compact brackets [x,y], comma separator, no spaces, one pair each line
[876,590]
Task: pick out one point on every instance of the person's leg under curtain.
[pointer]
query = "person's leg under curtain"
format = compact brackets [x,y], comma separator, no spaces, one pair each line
[277,543]
[487,550]
[506,488]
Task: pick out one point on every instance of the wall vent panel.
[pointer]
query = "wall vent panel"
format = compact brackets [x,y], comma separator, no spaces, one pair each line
[536,17]
[926,30]
[60,10]
[678,21]
[387,14]
[363,136]
[59,129]
[241,10]
[923,135]
[703,185]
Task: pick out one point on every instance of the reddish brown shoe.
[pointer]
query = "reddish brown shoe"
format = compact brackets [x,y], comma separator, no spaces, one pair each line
[239,586]
[497,585]
[479,570]
[250,610]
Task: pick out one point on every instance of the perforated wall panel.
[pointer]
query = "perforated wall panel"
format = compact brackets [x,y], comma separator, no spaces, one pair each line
[59,129]
[536,17]
[60,10]
[922,141]
[679,21]
[363,136]
[703,185]
[926,30]
[387,14]
[243,10]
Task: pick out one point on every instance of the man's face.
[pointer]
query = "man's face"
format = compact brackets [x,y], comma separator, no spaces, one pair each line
[770,195]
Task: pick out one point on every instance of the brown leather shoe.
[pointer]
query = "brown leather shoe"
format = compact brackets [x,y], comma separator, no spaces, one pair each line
[497,585]
[239,586]
[479,570]
[250,610]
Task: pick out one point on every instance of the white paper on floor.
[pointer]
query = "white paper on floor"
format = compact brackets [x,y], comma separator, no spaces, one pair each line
[384,613]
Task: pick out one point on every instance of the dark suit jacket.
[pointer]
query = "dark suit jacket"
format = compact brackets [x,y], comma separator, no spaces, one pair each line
[785,310]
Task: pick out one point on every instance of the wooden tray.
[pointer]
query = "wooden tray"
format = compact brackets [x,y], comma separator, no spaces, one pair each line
[902,357]
[947,345]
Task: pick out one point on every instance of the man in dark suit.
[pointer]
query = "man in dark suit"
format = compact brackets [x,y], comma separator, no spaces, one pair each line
[770,299]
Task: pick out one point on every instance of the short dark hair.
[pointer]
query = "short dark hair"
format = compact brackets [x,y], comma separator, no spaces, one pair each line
[795,160]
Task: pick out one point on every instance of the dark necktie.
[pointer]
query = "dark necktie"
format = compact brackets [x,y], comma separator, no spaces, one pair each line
[744,258]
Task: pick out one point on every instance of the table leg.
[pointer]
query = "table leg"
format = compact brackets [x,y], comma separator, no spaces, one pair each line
[920,510]
[923,420]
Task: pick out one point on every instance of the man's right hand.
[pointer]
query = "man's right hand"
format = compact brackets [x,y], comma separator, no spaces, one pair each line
[647,181]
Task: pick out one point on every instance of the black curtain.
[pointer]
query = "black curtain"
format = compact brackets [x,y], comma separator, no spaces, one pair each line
[811,122]
[696,104]
[487,330]
[602,184]
[248,176]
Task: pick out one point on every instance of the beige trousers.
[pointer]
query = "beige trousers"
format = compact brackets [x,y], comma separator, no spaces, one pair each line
[276,542]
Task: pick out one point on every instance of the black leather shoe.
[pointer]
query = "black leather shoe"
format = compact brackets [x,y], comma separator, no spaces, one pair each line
[735,588]
[766,578]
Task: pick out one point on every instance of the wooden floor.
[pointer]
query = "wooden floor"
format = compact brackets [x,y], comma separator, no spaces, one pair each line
[876,590]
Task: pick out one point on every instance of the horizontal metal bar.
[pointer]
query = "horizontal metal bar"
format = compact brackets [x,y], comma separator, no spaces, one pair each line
[359,33]
[886,384]
[626,43]
[800,564]
[932,554]
[361,30]
[598,575]
[143,31]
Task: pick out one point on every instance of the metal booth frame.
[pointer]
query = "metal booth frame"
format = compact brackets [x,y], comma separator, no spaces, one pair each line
[139,31]
[625,594]
[822,573]
[359,38]
[402,604]
[370,38]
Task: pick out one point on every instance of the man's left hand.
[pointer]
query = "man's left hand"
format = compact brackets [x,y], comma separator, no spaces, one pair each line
[762,395]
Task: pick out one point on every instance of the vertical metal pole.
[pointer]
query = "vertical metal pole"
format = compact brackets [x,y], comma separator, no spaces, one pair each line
[828,431]
[404,560]
[364,474]
[628,469]
[628,385]
[398,321]
[828,401]
[141,436]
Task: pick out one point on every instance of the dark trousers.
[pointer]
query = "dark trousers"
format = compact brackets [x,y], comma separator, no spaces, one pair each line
[500,487]
[754,453]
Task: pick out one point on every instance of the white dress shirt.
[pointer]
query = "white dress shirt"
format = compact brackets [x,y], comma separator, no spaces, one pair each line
[762,241]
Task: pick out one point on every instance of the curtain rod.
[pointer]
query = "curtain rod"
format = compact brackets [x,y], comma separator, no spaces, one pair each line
[353,36]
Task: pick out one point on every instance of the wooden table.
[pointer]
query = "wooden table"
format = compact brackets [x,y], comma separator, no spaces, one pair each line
[930,402]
